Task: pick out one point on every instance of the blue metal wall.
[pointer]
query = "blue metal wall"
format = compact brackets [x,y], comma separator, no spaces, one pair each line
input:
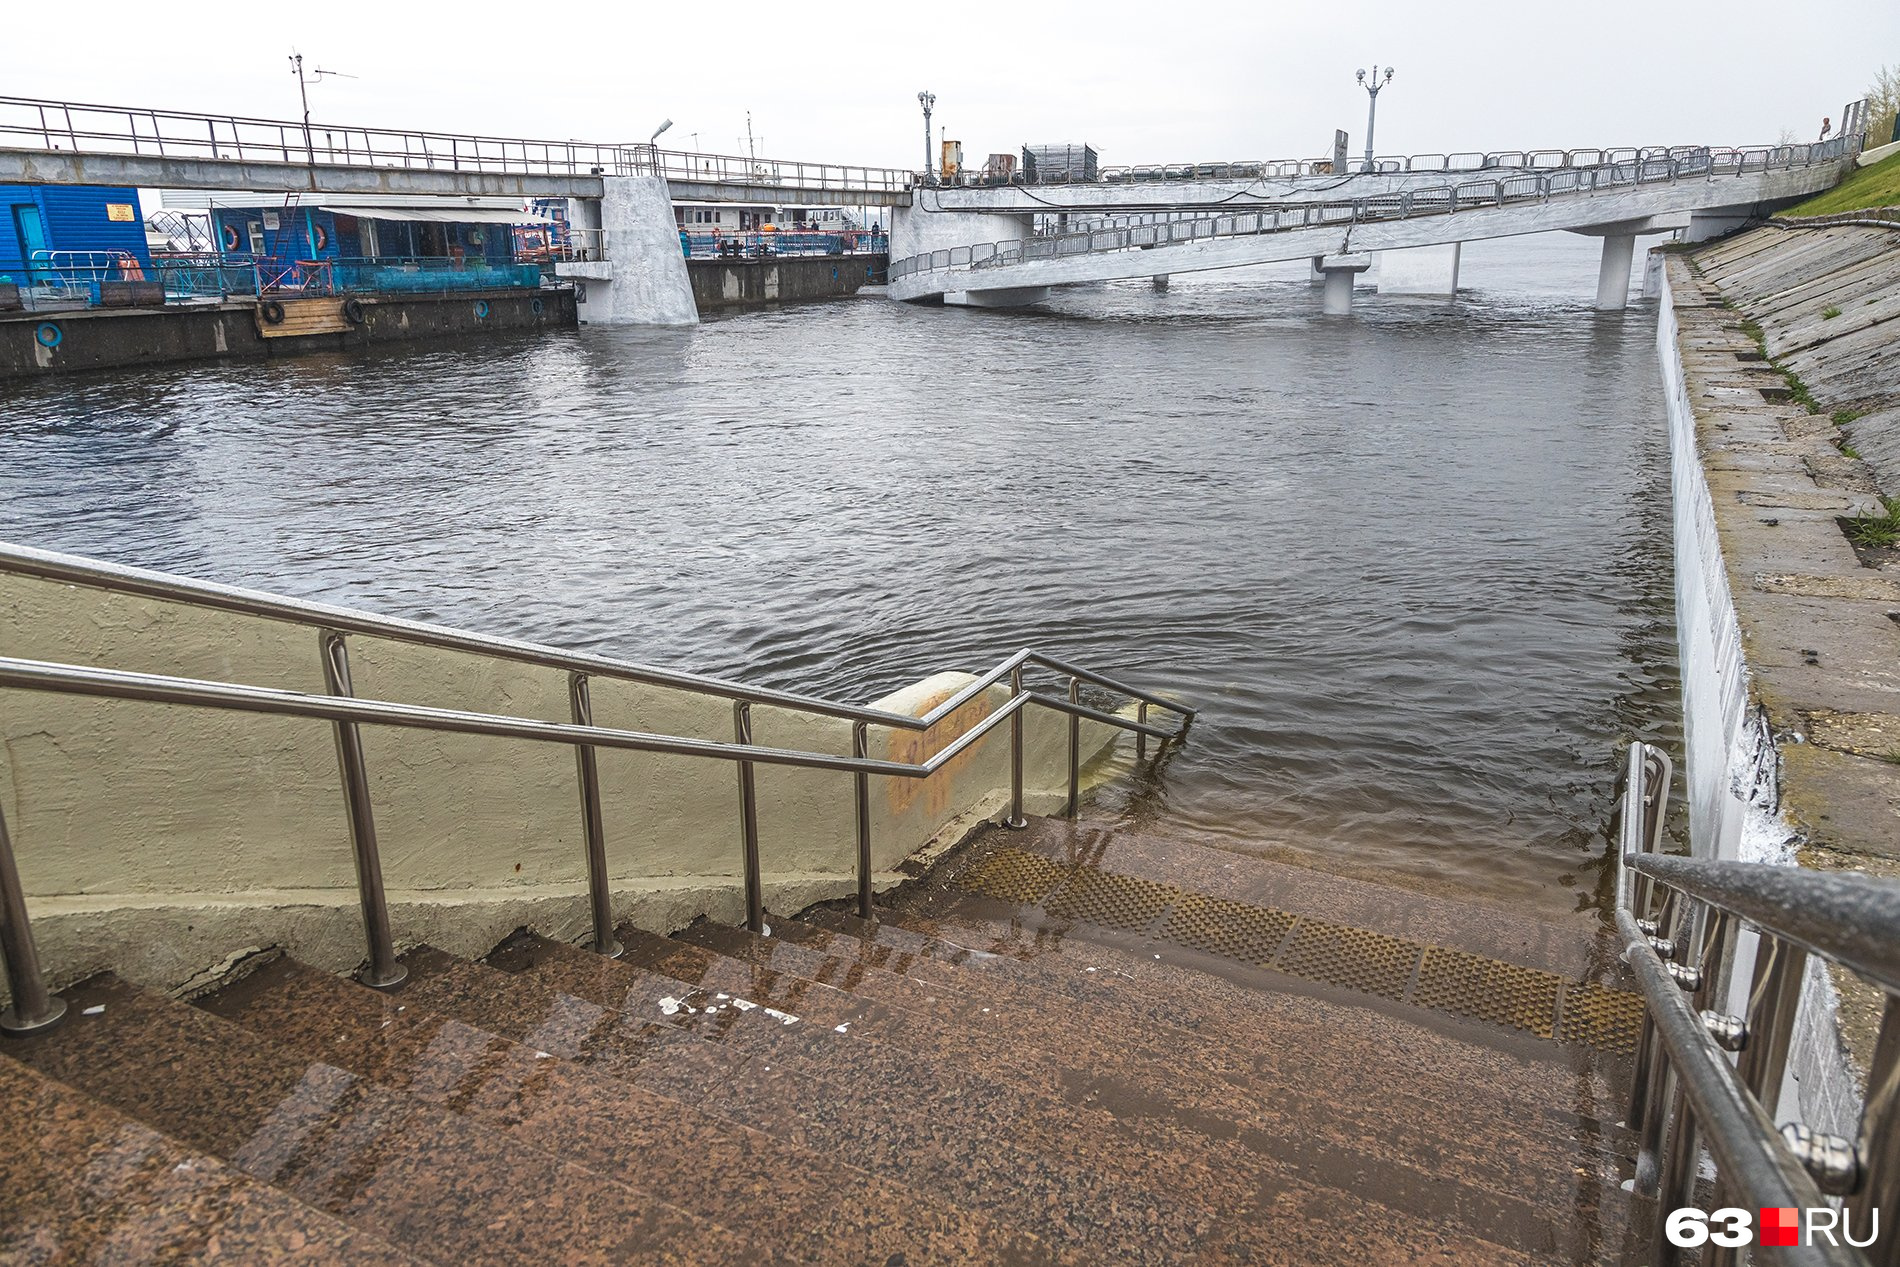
[74,217]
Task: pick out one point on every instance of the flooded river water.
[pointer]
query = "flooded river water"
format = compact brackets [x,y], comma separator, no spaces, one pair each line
[1412,564]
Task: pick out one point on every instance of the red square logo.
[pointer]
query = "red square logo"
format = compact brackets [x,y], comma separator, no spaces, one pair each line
[1780,1225]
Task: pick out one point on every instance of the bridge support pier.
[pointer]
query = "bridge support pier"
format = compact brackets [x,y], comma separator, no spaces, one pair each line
[638,277]
[1340,271]
[1421,270]
[1316,277]
[1159,281]
[1613,276]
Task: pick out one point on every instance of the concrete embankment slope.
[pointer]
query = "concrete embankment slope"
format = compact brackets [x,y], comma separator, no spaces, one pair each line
[1790,646]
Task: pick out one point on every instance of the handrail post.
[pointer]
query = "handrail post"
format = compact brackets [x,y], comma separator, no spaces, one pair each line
[1016,821]
[1141,736]
[748,822]
[1075,750]
[33,1008]
[861,749]
[383,973]
[1880,1135]
[593,822]
[1781,969]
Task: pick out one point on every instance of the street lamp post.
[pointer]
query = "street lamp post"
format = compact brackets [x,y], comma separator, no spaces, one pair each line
[927,100]
[1372,87]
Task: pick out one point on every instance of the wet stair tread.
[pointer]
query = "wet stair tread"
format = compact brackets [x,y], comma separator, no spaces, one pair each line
[1374,1053]
[959,1141]
[419,1177]
[81,1181]
[974,1100]
[1194,866]
[819,1211]
[1063,1051]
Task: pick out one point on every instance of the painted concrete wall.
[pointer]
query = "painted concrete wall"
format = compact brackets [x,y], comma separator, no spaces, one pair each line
[159,840]
[645,282]
[1731,765]
[106,339]
[916,230]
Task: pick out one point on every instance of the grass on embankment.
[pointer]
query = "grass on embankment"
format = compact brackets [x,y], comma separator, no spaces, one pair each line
[1876,186]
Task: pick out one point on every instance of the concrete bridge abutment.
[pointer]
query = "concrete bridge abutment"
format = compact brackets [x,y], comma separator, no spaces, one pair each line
[637,276]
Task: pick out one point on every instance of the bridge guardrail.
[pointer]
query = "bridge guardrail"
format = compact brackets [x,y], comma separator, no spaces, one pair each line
[71,127]
[1638,168]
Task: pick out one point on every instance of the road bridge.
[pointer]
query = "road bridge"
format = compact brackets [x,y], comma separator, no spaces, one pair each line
[1177,226]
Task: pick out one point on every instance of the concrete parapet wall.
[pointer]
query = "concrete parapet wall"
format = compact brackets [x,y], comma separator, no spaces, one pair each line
[160,840]
[1785,644]
[108,339]
[788,279]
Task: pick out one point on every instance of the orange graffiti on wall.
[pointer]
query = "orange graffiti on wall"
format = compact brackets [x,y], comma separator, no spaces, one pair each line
[915,747]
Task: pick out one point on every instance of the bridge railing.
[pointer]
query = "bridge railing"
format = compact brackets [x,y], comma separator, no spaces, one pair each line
[781,174]
[56,126]
[63,126]
[1621,169]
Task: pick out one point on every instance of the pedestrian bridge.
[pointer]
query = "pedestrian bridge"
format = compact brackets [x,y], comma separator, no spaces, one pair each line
[65,143]
[1166,227]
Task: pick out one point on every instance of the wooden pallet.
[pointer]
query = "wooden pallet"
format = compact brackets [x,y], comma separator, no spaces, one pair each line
[304,317]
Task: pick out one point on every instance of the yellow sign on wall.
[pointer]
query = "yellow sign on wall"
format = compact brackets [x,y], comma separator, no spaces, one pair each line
[120,211]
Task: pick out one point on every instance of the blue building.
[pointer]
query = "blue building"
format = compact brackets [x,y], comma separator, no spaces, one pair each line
[388,245]
[49,231]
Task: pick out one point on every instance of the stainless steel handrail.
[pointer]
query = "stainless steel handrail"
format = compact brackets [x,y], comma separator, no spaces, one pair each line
[1681,920]
[34,1009]
[96,574]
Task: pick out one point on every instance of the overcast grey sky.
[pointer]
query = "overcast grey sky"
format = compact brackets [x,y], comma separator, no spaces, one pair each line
[1143,82]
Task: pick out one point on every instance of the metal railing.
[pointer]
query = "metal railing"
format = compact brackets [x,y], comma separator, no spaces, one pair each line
[34,1008]
[1527,187]
[1683,921]
[28,123]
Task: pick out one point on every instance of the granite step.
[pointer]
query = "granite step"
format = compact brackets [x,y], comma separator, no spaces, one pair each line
[1150,1076]
[820,1210]
[972,1095]
[82,1182]
[425,1180]
[958,1141]
[1373,1058]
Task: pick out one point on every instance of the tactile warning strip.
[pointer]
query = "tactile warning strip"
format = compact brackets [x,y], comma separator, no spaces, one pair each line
[1014,875]
[1251,934]
[1528,1000]
[1355,958]
[1112,900]
[1505,994]
[1597,1016]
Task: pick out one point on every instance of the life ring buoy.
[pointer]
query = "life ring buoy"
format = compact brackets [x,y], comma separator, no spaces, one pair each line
[354,312]
[48,335]
[536,307]
[272,312]
[481,309]
[230,237]
[319,237]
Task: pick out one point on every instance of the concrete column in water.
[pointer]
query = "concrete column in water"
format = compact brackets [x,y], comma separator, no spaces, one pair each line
[1339,271]
[1421,270]
[642,279]
[1006,297]
[1160,281]
[1613,278]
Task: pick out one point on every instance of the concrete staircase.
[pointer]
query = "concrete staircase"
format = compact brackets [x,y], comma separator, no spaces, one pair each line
[970,1080]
